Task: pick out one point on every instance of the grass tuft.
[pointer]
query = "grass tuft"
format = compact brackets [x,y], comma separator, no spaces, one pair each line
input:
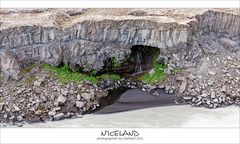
[158,75]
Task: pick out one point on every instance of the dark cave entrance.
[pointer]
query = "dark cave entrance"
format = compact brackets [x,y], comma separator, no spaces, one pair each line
[139,61]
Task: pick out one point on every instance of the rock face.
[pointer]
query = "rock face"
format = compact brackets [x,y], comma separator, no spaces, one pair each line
[9,64]
[88,41]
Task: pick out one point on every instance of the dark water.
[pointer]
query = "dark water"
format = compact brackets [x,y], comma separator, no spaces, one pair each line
[132,99]
[141,61]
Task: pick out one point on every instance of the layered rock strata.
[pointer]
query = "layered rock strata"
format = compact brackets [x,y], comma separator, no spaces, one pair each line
[88,39]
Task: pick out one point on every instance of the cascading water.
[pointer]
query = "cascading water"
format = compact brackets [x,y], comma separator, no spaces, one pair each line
[138,66]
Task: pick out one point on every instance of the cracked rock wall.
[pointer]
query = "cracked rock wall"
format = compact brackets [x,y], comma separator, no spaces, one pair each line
[89,41]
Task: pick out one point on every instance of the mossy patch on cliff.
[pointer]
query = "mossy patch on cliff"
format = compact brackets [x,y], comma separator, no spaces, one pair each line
[65,75]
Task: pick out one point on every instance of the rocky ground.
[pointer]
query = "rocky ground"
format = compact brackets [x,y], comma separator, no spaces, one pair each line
[215,83]
[38,96]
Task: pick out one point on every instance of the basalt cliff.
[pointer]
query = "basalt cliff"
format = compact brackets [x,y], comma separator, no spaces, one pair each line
[86,38]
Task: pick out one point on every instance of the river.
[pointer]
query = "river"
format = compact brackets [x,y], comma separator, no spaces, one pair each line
[167,116]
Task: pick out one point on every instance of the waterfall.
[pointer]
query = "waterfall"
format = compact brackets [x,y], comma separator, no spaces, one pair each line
[138,66]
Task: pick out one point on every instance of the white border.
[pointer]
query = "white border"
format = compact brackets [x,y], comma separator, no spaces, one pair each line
[119,4]
[153,136]
[86,136]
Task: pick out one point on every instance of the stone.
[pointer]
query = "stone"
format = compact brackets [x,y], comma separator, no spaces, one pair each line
[59,116]
[38,90]
[34,120]
[79,97]
[191,77]
[19,118]
[167,88]
[51,113]
[161,86]
[180,78]
[79,104]
[156,93]
[86,96]
[182,86]
[211,72]
[56,108]
[193,93]
[199,103]
[37,83]
[43,98]
[171,91]
[1,106]
[12,117]
[228,75]
[215,100]
[61,100]
[5,116]
[16,108]
[213,94]
[187,98]
[64,92]
[38,112]
[194,99]
[204,94]
[19,92]
[224,89]
[215,105]
[168,71]
[208,102]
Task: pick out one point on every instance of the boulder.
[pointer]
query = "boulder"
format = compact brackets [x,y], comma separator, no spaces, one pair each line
[79,104]
[59,116]
[61,100]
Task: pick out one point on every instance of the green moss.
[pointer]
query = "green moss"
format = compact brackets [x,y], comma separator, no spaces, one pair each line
[116,63]
[177,70]
[158,75]
[65,75]
[109,76]
[94,72]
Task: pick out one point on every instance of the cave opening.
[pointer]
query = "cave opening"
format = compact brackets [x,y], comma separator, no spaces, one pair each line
[141,60]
